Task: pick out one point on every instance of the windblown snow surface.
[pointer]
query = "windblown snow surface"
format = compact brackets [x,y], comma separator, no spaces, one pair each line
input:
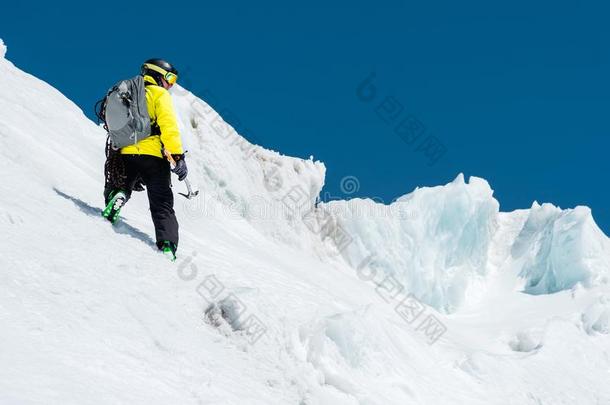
[438,298]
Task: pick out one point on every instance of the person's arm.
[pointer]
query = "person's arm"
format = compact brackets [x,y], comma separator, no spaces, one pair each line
[168,123]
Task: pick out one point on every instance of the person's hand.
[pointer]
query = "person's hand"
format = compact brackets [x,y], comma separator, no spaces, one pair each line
[180,169]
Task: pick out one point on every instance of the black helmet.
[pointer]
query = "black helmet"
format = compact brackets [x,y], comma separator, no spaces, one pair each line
[159,68]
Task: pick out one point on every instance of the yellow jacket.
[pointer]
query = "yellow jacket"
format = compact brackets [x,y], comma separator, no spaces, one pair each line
[161,111]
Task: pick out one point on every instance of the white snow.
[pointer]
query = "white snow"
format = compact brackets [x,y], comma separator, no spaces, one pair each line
[561,248]
[434,240]
[440,298]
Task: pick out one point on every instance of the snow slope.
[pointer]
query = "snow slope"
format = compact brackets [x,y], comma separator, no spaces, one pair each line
[438,298]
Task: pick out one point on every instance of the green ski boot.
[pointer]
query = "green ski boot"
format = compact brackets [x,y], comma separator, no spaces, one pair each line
[168,249]
[113,208]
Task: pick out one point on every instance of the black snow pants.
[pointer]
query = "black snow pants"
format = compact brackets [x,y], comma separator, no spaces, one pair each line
[155,173]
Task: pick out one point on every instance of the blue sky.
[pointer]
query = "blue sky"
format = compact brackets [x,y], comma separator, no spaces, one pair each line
[517,94]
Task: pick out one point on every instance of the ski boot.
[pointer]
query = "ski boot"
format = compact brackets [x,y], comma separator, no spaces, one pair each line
[168,249]
[113,208]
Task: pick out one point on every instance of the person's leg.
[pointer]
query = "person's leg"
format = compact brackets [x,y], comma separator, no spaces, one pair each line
[117,197]
[157,178]
[109,192]
[132,174]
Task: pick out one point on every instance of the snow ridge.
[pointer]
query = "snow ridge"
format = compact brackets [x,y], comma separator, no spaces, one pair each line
[437,242]
[434,240]
[561,248]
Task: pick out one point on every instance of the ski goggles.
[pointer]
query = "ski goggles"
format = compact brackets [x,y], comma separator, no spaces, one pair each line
[170,77]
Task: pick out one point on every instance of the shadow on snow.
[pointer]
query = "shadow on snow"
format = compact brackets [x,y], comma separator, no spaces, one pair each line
[122,227]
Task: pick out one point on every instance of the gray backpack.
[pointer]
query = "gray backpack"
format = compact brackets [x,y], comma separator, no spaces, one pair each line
[124,112]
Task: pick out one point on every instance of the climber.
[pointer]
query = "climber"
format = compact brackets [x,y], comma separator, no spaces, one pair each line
[146,162]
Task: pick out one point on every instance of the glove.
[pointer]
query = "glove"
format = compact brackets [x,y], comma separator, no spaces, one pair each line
[180,168]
